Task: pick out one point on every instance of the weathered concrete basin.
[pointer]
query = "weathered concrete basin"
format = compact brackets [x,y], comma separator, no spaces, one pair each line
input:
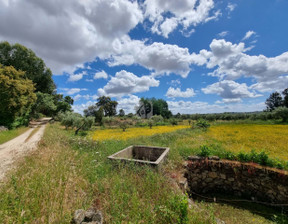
[150,155]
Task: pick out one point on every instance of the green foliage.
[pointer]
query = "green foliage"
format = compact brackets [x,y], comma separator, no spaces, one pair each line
[201,123]
[274,101]
[157,118]
[16,94]
[24,59]
[123,126]
[150,123]
[44,104]
[281,113]
[173,121]
[121,113]
[205,151]
[95,112]
[160,107]
[109,106]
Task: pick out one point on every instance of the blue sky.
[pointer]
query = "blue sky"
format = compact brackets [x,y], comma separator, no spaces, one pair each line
[201,56]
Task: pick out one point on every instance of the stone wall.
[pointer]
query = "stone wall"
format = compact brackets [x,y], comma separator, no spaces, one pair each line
[247,180]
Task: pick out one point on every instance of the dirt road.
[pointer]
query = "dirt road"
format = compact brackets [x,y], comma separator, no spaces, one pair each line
[20,146]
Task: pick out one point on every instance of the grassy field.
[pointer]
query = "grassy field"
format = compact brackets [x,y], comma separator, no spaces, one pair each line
[5,136]
[67,173]
[272,139]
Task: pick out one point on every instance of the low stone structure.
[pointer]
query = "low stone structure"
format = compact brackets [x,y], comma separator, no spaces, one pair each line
[91,216]
[247,180]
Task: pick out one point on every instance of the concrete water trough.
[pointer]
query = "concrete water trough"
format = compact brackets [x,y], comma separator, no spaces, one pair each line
[150,155]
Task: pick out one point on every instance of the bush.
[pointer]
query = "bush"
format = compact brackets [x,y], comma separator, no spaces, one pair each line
[205,151]
[173,121]
[150,123]
[201,123]
[157,118]
[123,126]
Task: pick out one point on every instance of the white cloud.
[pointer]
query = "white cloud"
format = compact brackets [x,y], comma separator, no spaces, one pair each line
[158,57]
[229,89]
[101,75]
[72,91]
[188,107]
[277,84]
[248,34]
[223,34]
[79,108]
[125,83]
[231,7]
[78,97]
[185,13]
[128,104]
[174,93]
[232,62]
[76,77]
[70,32]
[235,100]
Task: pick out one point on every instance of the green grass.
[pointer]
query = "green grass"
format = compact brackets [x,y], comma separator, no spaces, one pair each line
[69,173]
[5,136]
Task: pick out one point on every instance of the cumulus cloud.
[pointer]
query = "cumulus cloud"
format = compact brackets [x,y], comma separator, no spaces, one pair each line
[72,91]
[128,104]
[277,84]
[125,83]
[157,57]
[76,77]
[185,13]
[101,75]
[79,108]
[188,107]
[229,89]
[174,93]
[249,34]
[232,62]
[68,33]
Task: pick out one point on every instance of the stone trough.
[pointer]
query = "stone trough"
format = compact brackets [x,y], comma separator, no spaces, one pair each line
[149,155]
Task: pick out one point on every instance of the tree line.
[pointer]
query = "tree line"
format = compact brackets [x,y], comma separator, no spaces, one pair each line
[27,89]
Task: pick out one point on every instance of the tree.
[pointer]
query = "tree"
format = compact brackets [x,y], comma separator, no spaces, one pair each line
[109,106]
[285,99]
[16,94]
[274,101]
[62,104]
[121,113]
[281,113]
[44,105]
[159,107]
[24,59]
[95,112]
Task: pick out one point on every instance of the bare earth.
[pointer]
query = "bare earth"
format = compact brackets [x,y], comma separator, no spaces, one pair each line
[18,147]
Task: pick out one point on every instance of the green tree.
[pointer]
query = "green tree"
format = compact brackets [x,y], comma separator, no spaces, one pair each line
[285,99]
[109,106]
[62,104]
[44,105]
[121,113]
[282,113]
[16,94]
[273,101]
[24,59]
[95,112]
[160,107]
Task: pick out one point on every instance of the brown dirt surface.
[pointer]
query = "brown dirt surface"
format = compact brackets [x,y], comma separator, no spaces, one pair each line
[20,146]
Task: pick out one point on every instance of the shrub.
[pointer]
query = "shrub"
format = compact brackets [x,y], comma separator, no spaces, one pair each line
[205,151]
[157,118]
[123,126]
[201,123]
[150,123]
[173,121]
